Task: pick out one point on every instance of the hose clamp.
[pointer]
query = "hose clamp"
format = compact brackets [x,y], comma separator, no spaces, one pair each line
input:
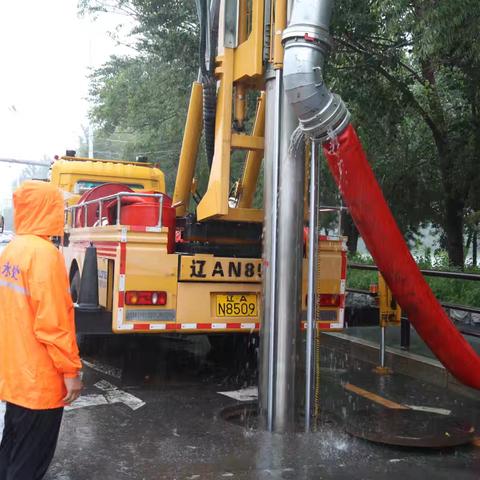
[331,120]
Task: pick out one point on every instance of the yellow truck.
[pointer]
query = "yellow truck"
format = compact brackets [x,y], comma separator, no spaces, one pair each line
[140,261]
[155,272]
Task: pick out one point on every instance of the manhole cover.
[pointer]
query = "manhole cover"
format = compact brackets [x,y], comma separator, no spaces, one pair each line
[244,414]
[409,428]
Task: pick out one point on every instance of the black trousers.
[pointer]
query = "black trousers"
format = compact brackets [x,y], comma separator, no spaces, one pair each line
[28,443]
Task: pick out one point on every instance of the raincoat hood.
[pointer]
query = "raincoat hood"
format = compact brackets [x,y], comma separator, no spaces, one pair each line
[38,209]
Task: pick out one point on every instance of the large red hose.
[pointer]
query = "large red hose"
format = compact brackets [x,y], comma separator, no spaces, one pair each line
[375,222]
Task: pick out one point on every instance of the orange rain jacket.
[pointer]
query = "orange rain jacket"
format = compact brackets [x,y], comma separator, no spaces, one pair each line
[37,330]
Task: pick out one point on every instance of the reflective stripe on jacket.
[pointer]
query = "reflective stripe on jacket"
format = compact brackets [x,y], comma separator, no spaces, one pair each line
[37,331]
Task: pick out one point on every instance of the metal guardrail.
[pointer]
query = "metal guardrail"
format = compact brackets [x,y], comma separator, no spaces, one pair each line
[428,273]
[118,198]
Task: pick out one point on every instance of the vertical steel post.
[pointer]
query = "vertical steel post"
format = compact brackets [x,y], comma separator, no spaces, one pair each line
[289,271]
[118,209]
[382,346]
[274,232]
[271,161]
[312,264]
[284,187]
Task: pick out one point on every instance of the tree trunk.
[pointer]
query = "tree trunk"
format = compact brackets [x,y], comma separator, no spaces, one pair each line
[474,247]
[454,230]
[469,242]
[350,231]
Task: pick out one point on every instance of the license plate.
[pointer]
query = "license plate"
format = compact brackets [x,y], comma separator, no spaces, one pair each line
[238,305]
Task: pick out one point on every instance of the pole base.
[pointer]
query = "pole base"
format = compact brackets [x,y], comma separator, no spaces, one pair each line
[382,370]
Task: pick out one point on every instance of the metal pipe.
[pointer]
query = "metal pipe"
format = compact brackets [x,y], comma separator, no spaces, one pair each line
[289,270]
[312,248]
[118,209]
[160,213]
[307,42]
[270,185]
[273,253]
[382,347]
[284,174]
[427,273]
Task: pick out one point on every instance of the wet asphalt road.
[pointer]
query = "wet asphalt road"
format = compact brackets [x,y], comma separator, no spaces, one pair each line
[151,410]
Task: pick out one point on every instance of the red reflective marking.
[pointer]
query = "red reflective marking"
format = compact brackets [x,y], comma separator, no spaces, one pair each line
[123,258]
[121,299]
[141,326]
[233,325]
[204,326]
[328,300]
[343,274]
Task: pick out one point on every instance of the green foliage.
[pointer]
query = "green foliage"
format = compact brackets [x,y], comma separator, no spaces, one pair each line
[410,72]
[361,279]
[139,102]
[408,69]
[459,292]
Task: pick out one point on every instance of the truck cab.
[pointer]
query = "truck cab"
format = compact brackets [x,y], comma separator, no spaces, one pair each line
[76,175]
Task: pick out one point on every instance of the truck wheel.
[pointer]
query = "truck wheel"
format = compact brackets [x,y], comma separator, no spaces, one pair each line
[75,286]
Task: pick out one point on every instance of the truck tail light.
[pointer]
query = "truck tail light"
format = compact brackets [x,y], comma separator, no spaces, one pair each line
[329,300]
[145,298]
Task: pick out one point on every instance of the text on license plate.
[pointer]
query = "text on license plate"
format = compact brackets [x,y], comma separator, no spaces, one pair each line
[238,305]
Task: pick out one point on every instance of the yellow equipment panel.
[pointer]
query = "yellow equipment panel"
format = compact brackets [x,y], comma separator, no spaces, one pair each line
[390,311]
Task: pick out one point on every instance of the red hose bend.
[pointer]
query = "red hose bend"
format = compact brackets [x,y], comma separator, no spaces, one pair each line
[375,222]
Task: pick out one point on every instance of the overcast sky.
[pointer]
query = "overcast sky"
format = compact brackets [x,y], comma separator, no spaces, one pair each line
[45,55]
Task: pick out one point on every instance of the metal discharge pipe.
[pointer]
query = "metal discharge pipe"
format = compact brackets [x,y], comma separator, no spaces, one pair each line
[291,185]
[324,117]
[271,159]
[284,186]
[283,232]
[307,41]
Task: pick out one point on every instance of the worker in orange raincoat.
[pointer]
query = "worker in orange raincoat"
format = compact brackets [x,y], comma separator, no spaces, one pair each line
[39,360]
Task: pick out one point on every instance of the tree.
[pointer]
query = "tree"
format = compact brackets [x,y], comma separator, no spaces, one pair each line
[407,68]
[139,103]
[423,51]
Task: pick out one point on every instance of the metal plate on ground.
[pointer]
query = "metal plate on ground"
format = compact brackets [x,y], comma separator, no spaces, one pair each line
[409,428]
